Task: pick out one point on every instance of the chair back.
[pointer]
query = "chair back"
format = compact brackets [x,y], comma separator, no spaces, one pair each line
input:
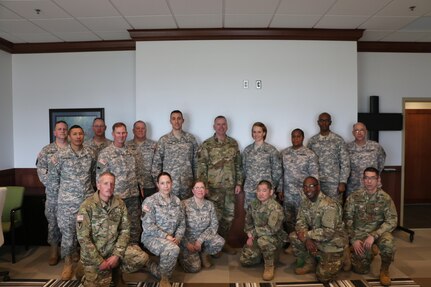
[14,199]
[2,200]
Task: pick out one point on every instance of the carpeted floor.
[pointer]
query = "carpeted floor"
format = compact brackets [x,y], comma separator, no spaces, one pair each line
[396,282]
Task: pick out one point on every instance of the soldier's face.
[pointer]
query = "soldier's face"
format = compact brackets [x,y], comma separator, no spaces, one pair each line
[324,122]
[220,126]
[199,190]
[263,192]
[297,139]
[119,135]
[258,134]
[140,131]
[371,181]
[311,189]
[99,128]
[359,132]
[177,121]
[76,137]
[165,185]
[60,131]
[106,186]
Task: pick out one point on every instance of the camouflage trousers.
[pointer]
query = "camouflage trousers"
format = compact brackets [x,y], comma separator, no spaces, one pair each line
[265,247]
[331,189]
[328,264]
[134,260]
[168,253]
[134,211]
[191,262]
[66,216]
[224,203]
[54,235]
[249,196]
[291,204]
[386,246]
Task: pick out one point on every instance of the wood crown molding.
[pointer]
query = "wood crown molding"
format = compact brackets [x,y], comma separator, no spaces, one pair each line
[395,47]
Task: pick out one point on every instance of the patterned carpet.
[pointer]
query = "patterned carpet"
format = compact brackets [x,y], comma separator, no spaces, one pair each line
[396,282]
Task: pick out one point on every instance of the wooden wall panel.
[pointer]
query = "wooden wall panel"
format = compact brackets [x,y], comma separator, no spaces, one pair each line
[391,183]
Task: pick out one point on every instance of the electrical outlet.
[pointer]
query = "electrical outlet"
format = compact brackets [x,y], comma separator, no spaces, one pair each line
[245,84]
[258,84]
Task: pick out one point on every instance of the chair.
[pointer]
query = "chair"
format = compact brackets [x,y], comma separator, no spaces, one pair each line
[12,215]
[3,273]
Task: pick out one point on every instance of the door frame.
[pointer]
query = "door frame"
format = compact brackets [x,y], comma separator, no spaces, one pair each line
[405,102]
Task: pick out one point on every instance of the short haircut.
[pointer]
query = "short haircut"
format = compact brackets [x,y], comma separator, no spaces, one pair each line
[261,125]
[197,181]
[75,127]
[220,117]
[372,169]
[297,130]
[106,173]
[162,174]
[313,178]
[176,112]
[61,122]
[137,122]
[117,125]
[265,182]
[96,119]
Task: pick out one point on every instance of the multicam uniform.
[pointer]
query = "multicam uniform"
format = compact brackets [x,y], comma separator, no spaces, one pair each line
[178,158]
[145,150]
[123,163]
[97,147]
[334,162]
[258,163]
[54,235]
[71,174]
[297,165]
[371,214]
[361,157]
[201,225]
[322,222]
[103,231]
[162,218]
[219,167]
[264,222]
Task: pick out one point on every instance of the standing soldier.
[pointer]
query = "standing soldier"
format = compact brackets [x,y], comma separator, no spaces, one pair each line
[176,154]
[363,153]
[299,162]
[334,162]
[71,173]
[219,167]
[264,229]
[370,218]
[103,232]
[320,234]
[145,148]
[260,160]
[99,141]
[123,162]
[54,235]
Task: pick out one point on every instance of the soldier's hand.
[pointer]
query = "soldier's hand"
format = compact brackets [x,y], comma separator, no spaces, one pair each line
[249,242]
[280,196]
[198,246]
[238,189]
[358,248]
[104,266]
[301,235]
[341,187]
[113,261]
[190,247]
[368,243]
[311,246]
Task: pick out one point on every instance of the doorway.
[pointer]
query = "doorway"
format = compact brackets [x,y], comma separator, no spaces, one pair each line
[417,158]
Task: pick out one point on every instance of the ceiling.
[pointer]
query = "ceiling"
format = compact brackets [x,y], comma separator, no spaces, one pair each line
[46,21]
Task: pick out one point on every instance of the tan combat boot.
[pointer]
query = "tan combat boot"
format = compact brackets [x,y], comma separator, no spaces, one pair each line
[67,272]
[229,249]
[206,260]
[268,272]
[164,282]
[117,278]
[347,262]
[53,255]
[385,280]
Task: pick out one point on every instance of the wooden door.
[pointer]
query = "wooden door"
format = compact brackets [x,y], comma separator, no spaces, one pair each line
[417,156]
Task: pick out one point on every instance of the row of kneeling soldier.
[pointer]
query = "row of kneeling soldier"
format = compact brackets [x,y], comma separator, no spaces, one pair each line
[187,231]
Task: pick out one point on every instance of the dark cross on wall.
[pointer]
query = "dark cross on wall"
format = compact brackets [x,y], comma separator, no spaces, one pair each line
[376,121]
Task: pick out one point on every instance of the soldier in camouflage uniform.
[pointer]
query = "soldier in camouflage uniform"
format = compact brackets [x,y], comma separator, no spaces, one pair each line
[99,141]
[320,234]
[264,229]
[201,238]
[370,217]
[71,171]
[219,167]
[103,232]
[363,153]
[124,162]
[163,228]
[54,235]
[298,163]
[176,153]
[334,162]
[260,160]
[145,148]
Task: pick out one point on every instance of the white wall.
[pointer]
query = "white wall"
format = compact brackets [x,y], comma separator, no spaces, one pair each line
[67,80]
[392,77]
[6,117]
[205,78]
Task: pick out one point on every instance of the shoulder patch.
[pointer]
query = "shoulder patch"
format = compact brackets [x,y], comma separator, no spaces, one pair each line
[145,208]
[80,218]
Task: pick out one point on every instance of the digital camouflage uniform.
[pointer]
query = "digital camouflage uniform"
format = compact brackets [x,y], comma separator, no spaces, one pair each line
[123,163]
[160,220]
[259,163]
[219,167]
[264,221]
[178,157]
[369,155]
[145,150]
[374,215]
[51,202]
[322,222]
[297,165]
[201,225]
[103,231]
[334,162]
[71,174]
[97,147]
